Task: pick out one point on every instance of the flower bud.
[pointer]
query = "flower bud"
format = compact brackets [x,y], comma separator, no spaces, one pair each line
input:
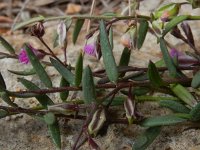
[127,40]
[129,107]
[167,11]
[97,121]
[157,26]
[23,57]
[184,60]
[37,30]
[91,47]
[62,33]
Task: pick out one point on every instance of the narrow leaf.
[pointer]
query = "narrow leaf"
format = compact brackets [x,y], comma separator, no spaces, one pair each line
[27,22]
[174,22]
[183,94]
[142,32]
[39,69]
[49,118]
[6,45]
[68,75]
[108,58]
[111,37]
[162,121]
[196,80]
[79,70]
[168,61]
[143,141]
[125,57]
[154,75]
[78,25]
[89,92]
[26,72]
[64,95]
[188,32]
[5,97]
[2,83]
[55,133]
[43,99]
[195,113]
[3,113]
[174,106]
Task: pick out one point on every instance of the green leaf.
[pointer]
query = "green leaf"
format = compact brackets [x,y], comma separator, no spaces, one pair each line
[78,25]
[27,22]
[50,118]
[43,99]
[64,95]
[39,69]
[68,75]
[174,22]
[26,72]
[168,61]
[2,83]
[142,32]
[174,106]
[196,80]
[181,92]
[79,70]
[6,45]
[195,113]
[108,58]
[111,37]
[22,95]
[55,133]
[3,113]
[154,75]
[89,92]
[143,141]
[125,57]
[117,101]
[5,97]
[162,121]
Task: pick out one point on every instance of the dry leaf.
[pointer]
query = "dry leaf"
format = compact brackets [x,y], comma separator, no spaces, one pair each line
[73,8]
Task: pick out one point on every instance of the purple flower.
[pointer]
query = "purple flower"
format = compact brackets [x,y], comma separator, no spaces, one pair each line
[90,49]
[23,57]
[184,60]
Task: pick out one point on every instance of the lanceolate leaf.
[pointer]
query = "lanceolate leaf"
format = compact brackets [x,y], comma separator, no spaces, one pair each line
[143,141]
[89,92]
[55,133]
[162,121]
[125,57]
[68,75]
[39,69]
[111,37]
[174,106]
[3,113]
[168,61]
[64,95]
[79,70]
[183,94]
[196,80]
[174,22]
[5,97]
[195,113]
[43,99]
[26,72]
[108,58]
[77,29]
[154,76]
[6,45]
[142,32]
[2,83]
